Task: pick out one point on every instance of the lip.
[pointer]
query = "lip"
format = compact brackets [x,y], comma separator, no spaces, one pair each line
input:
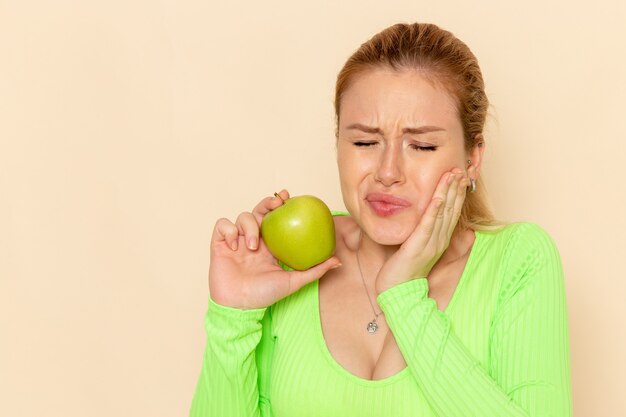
[386,204]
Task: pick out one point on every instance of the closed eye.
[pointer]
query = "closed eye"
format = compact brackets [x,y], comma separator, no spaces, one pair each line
[415,147]
[424,148]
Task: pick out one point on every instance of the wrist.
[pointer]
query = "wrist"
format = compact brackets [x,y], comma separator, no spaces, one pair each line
[383,286]
[414,289]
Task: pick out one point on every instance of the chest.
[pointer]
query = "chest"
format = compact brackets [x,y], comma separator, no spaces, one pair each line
[306,380]
[346,315]
[346,308]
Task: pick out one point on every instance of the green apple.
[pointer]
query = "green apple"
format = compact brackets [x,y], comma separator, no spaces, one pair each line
[300,233]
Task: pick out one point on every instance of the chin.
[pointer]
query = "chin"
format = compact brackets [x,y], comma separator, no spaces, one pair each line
[389,241]
[388,234]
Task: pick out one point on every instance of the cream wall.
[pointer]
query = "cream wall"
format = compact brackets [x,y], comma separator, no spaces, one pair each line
[128,127]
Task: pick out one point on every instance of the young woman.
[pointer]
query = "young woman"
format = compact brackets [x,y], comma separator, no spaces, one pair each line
[429,307]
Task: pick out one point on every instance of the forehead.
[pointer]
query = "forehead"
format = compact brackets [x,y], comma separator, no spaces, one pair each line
[384,96]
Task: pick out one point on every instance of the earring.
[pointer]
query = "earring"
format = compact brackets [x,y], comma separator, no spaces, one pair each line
[472,180]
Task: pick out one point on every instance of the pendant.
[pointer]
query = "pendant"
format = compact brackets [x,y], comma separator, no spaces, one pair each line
[372,326]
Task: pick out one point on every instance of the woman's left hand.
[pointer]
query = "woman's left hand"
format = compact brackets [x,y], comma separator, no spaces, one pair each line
[431,237]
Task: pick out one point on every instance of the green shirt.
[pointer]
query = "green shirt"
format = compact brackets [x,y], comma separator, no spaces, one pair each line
[500,348]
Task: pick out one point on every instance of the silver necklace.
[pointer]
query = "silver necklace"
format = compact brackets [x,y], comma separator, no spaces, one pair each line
[372,326]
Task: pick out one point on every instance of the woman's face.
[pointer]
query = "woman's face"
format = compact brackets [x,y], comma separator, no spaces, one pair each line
[398,134]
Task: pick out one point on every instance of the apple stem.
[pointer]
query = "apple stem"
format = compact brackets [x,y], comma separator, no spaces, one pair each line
[278,195]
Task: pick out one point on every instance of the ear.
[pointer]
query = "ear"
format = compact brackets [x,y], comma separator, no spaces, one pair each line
[475,155]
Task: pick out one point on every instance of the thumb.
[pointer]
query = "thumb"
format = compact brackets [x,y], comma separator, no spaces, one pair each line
[298,279]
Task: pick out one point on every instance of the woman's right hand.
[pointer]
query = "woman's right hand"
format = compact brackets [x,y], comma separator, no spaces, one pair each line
[243,273]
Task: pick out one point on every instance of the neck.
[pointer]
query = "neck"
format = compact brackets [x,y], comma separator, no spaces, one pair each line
[373,253]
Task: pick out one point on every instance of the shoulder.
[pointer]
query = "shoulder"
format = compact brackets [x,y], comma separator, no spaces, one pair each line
[529,259]
[516,239]
[342,220]
[528,243]
[346,230]
[531,233]
[520,230]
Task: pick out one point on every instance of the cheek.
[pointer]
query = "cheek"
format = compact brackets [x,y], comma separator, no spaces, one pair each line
[426,181]
[351,169]
[427,178]
[349,175]
[344,170]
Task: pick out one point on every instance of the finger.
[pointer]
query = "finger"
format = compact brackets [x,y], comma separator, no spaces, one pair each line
[225,231]
[298,279]
[423,232]
[248,227]
[438,225]
[441,193]
[448,211]
[458,204]
[268,204]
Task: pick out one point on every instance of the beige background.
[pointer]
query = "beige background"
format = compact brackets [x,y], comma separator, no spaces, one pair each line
[128,127]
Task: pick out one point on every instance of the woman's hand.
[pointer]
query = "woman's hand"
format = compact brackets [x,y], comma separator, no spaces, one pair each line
[423,248]
[243,273]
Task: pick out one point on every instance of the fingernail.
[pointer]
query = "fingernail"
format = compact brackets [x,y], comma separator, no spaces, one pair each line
[336,266]
[233,245]
[457,170]
[252,243]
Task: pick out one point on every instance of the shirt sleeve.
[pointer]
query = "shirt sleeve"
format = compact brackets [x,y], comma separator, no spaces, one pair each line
[235,378]
[529,371]
[229,381]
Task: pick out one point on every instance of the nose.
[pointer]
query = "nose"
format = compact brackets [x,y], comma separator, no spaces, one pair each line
[390,169]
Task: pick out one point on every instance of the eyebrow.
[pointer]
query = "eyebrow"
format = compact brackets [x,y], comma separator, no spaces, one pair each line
[413,130]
